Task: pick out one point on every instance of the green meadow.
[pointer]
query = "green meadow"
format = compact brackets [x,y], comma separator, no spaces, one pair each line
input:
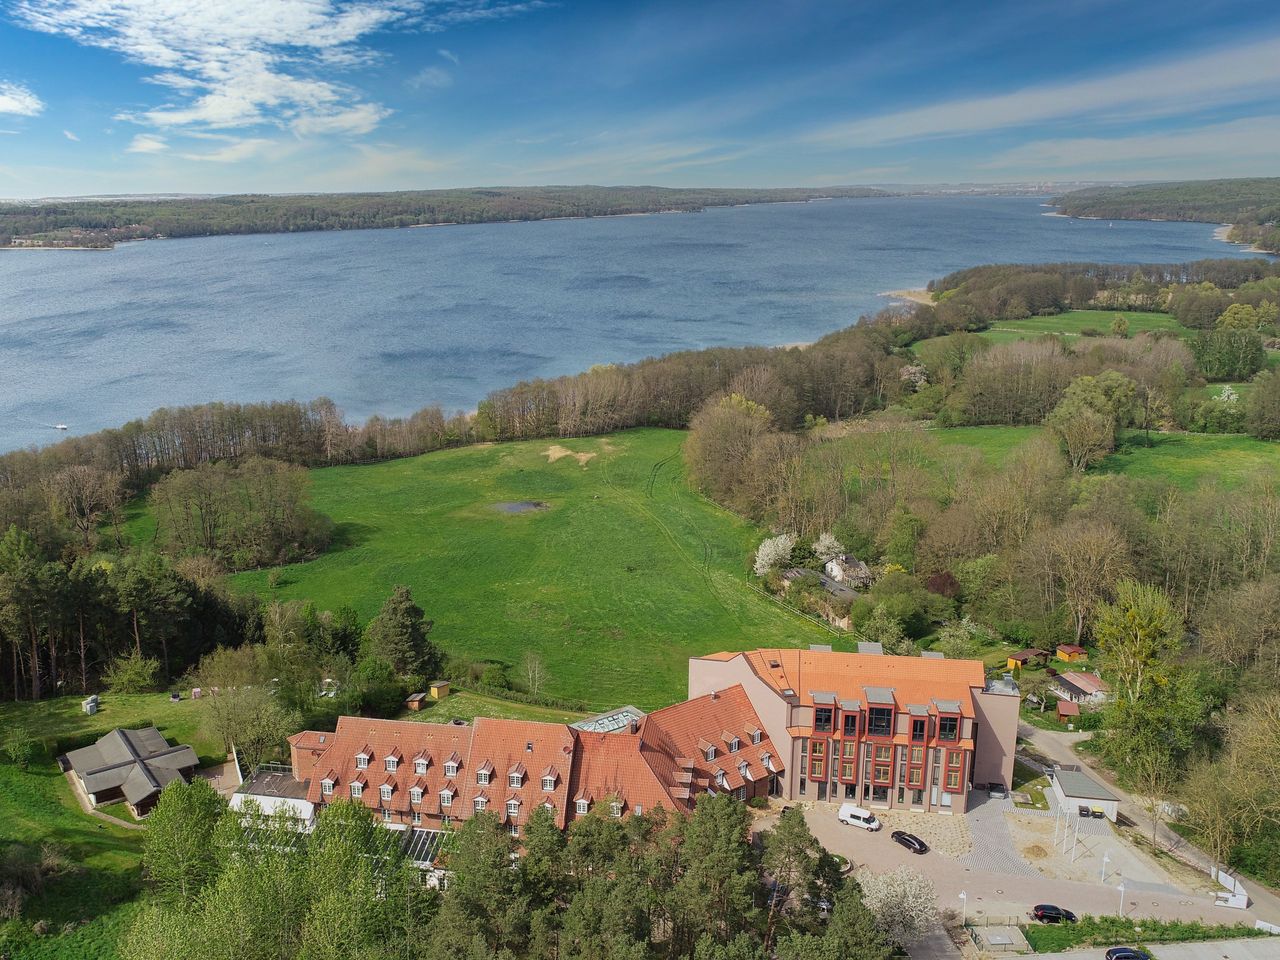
[1072,322]
[617,577]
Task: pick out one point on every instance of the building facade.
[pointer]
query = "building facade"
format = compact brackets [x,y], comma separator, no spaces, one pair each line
[883,731]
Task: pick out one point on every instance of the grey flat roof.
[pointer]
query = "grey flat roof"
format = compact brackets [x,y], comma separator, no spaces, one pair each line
[820,647]
[870,646]
[850,705]
[274,783]
[917,710]
[878,694]
[1077,784]
[933,655]
[823,697]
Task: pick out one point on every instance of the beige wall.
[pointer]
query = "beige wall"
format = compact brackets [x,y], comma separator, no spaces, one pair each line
[707,676]
[997,718]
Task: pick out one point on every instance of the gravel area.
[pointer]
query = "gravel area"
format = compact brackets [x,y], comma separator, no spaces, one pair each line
[947,835]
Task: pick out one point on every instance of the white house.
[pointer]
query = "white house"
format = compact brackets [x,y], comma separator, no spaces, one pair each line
[849,570]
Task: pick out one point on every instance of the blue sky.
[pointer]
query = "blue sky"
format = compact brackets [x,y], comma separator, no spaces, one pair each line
[148,96]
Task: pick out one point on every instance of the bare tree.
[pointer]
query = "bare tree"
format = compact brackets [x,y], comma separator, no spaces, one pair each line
[535,672]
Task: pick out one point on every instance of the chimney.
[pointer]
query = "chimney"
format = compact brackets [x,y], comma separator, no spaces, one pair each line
[715,694]
[635,725]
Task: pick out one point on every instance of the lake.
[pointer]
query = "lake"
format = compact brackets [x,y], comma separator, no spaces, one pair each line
[388,321]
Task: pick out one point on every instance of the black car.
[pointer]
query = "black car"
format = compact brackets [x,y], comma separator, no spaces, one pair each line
[1127,953]
[1048,913]
[910,841]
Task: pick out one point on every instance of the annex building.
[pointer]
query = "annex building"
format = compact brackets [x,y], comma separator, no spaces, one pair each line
[887,731]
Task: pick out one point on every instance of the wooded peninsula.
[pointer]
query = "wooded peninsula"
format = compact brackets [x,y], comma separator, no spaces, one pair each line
[1250,205]
[101,223]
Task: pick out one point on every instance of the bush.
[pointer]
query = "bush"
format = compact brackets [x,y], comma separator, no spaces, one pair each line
[1090,332]
[19,745]
[758,803]
[1106,931]
[132,674]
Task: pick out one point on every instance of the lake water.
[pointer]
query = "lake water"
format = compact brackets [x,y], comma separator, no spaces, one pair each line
[388,321]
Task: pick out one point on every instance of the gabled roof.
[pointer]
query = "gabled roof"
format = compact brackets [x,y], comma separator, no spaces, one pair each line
[908,679]
[519,746]
[137,762]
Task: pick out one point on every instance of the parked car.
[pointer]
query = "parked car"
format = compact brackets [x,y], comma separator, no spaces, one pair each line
[1083,812]
[1127,953]
[855,816]
[997,791]
[1048,913]
[910,841]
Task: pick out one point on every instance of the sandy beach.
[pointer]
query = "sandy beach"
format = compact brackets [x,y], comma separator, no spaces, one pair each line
[913,296]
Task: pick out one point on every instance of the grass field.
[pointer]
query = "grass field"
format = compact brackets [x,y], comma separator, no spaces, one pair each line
[1185,459]
[1070,323]
[621,578]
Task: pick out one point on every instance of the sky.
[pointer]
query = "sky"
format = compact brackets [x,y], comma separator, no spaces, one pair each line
[229,96]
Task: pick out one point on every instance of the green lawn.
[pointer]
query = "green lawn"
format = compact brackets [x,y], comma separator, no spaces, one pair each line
[1182,458]
[1070,323]
[464,705]
[623,577]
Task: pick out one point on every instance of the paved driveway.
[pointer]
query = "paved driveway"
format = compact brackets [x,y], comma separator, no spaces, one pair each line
[1267,948]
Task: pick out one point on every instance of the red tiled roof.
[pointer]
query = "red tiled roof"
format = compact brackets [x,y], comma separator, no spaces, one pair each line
[504,745]
[913,680]
[378,738]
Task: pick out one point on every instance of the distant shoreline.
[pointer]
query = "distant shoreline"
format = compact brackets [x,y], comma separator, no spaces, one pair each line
[912,296]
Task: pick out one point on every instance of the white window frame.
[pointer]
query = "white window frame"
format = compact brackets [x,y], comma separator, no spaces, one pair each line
[415,794]
[417,818]
[548,784]
[513,808]
[615,808]
[515,781]
[450,769]
[582,806]
[514,829]
[756,737]
[480,804]
[362,762]
[386,814]
[482,777]
[357,791]
[326,787]
[710,754]
[384,792]
[391,763]
[446,799]
[735,745]
[420,767]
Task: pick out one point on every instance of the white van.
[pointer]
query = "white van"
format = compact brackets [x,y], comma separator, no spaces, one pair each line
[855,816]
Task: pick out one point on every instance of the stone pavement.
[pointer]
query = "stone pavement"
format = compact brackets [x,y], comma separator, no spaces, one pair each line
[1262,948]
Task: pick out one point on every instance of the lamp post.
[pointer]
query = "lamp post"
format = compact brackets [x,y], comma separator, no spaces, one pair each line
[1121,889]
[1106,858]
[964,908]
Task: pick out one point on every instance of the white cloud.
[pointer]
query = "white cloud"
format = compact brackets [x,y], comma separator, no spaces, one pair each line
[242,63]
[431,78]
[449,55]
[147,143]
[1251,138]
[1227,75]
[18,100]
[70,136]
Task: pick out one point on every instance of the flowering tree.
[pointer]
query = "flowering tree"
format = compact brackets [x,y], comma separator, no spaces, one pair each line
[903,902]
[773,551]
[827,547]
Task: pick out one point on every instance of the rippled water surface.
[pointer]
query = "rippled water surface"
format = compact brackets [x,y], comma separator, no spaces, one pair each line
[387,321]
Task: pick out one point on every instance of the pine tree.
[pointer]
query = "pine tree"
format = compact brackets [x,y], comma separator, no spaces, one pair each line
[398,635]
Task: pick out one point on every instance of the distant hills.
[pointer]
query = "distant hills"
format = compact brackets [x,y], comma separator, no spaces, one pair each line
[101,222]
[1251,205]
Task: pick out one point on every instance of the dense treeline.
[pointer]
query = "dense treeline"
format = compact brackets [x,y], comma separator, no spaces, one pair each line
[650,886]
[1252,205]
[104,222]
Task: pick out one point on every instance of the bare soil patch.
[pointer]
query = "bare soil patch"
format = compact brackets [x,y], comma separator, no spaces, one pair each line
[556,452]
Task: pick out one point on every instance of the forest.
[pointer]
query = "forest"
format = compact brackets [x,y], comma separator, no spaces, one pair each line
[104,222]
[1250,205]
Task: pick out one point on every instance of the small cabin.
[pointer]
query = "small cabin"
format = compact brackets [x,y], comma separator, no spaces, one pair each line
[1071,652]
[416,701]
[1022,658]
[439,690]
[1068,712]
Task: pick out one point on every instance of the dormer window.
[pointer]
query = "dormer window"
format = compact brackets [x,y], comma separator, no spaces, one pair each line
[446,798]
[481,803]
[482,777]
[721,780]
[513,808]
[385,792]
[548,806]
[515,781]
[326,787]
[755,737]
[949,728]
[767,760]
[615,808]
[451,769]
[415,794]
[357,789]
[744,770]
[362,761]
[420,766]
[391,764]
[734,744]
[710,754]
[582,806]
[548,784]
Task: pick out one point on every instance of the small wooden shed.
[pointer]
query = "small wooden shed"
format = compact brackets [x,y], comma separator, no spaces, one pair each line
[1024,657]
[439,690]
[1067,711]
[1071,652]
[415,701]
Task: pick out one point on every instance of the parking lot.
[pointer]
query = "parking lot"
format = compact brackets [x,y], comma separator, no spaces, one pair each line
[1260,949]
